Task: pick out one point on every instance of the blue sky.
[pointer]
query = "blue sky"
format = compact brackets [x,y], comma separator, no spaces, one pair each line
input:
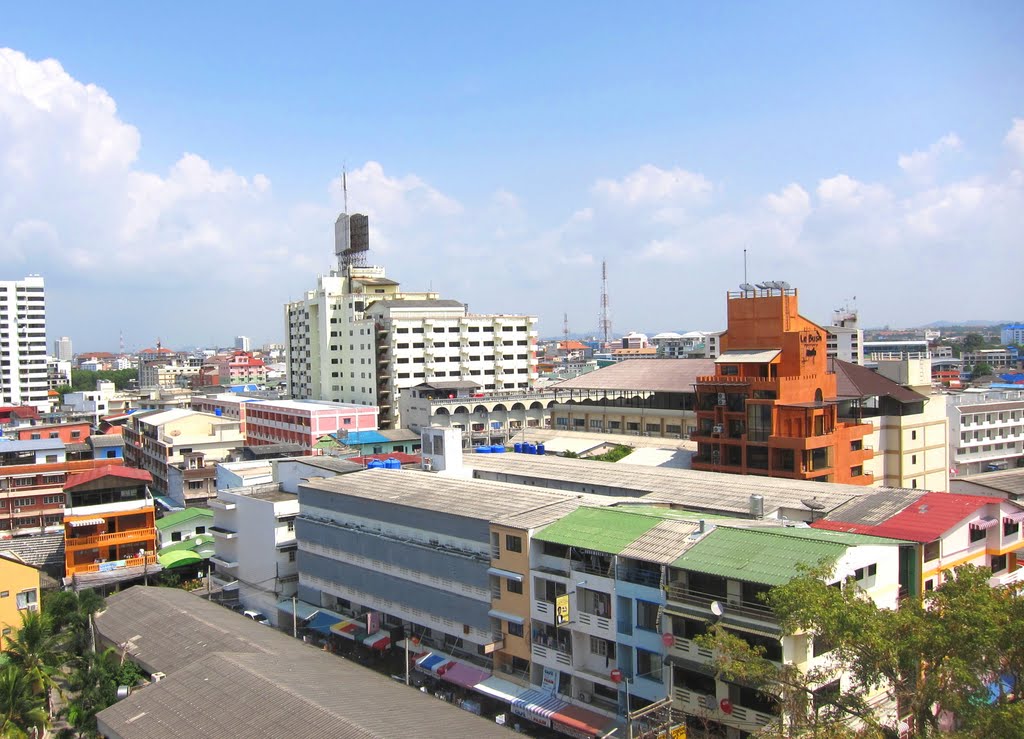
[867,149]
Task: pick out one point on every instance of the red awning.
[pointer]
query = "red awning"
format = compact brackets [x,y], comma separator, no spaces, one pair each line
[582,720]
[985,523]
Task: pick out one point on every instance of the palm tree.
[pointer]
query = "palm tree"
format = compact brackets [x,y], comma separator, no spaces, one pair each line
[21,708]
[36,651]
[93,685]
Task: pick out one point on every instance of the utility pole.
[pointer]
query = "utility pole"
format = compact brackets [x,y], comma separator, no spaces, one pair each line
[295,617]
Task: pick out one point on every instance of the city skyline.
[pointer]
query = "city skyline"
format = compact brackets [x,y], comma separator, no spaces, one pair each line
[876,153]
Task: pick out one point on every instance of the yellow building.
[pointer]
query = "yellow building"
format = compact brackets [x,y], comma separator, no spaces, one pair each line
[20,592]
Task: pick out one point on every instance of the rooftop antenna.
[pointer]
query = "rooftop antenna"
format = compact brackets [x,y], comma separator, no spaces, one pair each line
[344,185]
[745,266]
[605,321]
[565,327]
[120,342]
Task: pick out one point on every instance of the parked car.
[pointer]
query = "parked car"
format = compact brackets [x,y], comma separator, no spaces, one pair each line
[257,617]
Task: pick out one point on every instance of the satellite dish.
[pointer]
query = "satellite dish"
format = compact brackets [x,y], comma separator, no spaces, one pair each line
[716,608]
[762,286]
[772,284]
[782,284]
[813,503]
[747,287]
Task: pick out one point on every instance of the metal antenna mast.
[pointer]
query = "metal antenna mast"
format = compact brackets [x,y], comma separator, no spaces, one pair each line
[605,321]
[565,327]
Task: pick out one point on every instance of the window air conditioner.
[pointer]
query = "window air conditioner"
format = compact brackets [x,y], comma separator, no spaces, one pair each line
[586,697]
[717,429]
[721,398]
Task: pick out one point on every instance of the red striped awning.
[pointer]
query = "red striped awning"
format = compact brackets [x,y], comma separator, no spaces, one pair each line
[984,523]
[1016,517]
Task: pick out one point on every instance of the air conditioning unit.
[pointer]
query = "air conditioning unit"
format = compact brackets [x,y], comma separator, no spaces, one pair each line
[16,510]
[507,669]
[717,428]
[585,696]
[721,398]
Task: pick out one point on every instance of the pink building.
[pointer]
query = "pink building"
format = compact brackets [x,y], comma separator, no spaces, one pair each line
[237,368]
[300,422]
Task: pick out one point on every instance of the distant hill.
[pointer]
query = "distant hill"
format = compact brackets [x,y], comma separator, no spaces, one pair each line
[948,324]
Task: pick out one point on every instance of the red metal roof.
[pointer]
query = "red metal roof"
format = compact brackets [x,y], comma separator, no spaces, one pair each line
[928,518]
[129,473]
[400,456]
[23,411]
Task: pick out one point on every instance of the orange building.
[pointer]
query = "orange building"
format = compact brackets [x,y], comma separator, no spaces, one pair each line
[770,408]
[109,524]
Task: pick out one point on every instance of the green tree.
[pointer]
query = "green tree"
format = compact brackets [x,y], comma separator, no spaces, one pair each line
[69,613]
[36,651]
[93,686]
[21,708]
[982,369]
[973,342]
[943,651]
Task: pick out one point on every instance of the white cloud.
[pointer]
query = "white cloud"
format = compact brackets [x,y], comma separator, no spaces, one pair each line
[921,165]
[650,184]
[1015,137]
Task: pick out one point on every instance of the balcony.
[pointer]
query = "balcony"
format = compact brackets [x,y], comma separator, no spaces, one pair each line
[129,536]
[146,561]
[220,561]
[708,706]
[596,625]
[701,602]
[550,656]
[1007,578]
[222,533]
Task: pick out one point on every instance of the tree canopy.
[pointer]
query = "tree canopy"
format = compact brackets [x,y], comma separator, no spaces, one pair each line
[956,651]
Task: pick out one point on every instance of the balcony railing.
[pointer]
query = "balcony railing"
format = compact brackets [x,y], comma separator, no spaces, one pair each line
[120,564]
[638,576]
[746,609]
[115,537]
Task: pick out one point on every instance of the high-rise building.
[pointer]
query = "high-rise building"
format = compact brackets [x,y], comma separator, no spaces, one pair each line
[243,343]
[23,343]
[844,337]
[358,338]
[62,349]
[770,408]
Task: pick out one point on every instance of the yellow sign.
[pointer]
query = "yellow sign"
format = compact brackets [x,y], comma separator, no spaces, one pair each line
[678,732]
[562,610]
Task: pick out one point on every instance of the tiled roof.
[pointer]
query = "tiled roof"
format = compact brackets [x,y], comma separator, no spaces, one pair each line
[757,555]
[178,517]
[855,381]
[664,375]
[601,529]
[106,440]
[127,473]
[928,518]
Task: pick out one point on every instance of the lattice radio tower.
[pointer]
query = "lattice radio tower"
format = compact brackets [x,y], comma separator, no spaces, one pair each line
[565,328]
[604,323]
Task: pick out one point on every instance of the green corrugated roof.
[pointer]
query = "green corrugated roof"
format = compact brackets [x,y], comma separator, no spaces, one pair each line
[601,529]
[756,555]
[197,542]
[173,519]
[839,537]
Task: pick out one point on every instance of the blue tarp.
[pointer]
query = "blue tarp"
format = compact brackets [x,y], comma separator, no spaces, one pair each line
[362,437]
[322,622]
[1007,683]
[168,504]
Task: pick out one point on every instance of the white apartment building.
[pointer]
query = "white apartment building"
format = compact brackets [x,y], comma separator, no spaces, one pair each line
[23,357]
[1012,334]
[995,358]
[176,373]
[62,349]
[986,430]
[358,338]
[243,343]
[845,338]
[254,537]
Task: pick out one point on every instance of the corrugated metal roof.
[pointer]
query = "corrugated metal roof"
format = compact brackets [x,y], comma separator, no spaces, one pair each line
[173,519]
[693,489]
[855,381]
[932,515]
[1007,482]
[876,507]
[767,557]
[663,543]
[747,356]
[125,473]
[657,375]
[231,678]
[601,529]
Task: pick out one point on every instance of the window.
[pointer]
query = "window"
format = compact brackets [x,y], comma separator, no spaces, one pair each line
[913,436]
[514,586]
[602,647]
[291,525]
[175,536]
[863,573]
[647,615]
[200,529]
[515,629]
[913,459]
[5,593]
[1010,527]
[648,665]
[27,599]
[195,484]
[513,543]
[998,563]
[291,556]
[931,550]
[977,535]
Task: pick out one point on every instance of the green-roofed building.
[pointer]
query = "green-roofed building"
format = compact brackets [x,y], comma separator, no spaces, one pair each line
[724,577]
[181,525]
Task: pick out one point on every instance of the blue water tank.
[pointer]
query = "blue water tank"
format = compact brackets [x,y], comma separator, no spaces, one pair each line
[482,450]
[375,464]
[518,447]
[529,448]
[497,448]
[540,449]
[392,464]
[218,411]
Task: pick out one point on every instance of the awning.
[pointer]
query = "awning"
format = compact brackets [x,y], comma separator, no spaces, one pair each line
[464,675]
[379,640]
[430,662]
[582,720]
[322,622]
[510,617]
[984,523]
[1014,517]
[87,522]
[180,558]
[303,609]
[505,573]
[748,356]
[503,690]
[350,629]
[537,706]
